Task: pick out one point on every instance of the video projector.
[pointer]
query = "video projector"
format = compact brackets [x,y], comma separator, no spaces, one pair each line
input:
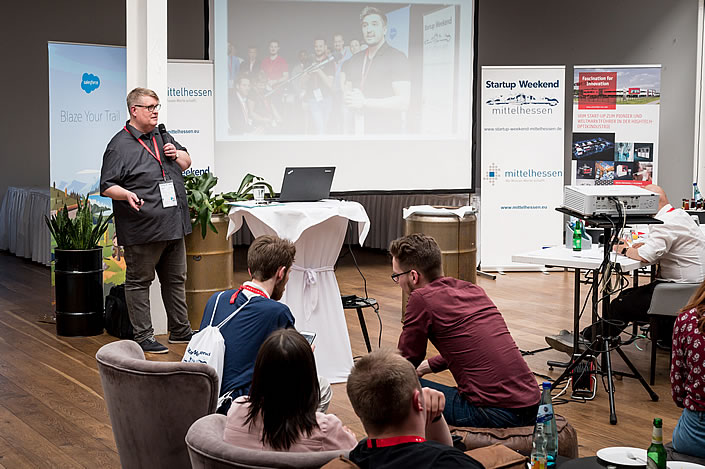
[603,200]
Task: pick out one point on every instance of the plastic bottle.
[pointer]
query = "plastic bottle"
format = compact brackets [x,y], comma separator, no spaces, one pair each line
[578,236]
[547,420]
[656,454]
[539,458]
[696,192]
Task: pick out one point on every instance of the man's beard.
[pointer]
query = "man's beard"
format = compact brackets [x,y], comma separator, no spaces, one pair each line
[278,290]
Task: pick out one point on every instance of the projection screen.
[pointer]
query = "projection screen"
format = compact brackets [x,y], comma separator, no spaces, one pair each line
[381,91]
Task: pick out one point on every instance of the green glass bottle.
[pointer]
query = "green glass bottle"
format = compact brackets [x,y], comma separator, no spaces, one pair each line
[578,235]
[656,454]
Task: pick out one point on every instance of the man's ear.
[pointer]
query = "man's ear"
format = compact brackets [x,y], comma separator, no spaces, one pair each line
[249,272]
[417,401]
[281,273]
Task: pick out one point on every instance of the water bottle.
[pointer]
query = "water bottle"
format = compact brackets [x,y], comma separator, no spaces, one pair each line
[578,235]
[696,192]
[547,420]
[539,458]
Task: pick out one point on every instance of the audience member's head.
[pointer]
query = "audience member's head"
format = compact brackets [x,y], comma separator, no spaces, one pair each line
[273,48]
[385,392]
[252,53]
[285,391]
[242,85]
[271,257]
[338,43]
[319,48]
[416,260]
[354,46]
[662,198]
[303,57]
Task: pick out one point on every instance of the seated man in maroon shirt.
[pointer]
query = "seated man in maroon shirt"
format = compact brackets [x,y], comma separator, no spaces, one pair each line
[495,386]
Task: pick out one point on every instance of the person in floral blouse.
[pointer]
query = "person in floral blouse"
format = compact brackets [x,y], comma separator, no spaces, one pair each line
[688,376]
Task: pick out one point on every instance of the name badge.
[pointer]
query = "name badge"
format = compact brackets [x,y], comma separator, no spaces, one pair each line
[168,194]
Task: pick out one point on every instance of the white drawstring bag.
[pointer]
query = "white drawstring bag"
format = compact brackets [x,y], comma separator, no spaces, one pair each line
[208,346]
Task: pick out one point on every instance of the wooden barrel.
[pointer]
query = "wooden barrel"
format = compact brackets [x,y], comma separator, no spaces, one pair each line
[456,238]
[210,267]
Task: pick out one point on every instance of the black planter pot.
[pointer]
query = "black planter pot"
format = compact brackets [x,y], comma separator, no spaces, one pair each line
[78,276]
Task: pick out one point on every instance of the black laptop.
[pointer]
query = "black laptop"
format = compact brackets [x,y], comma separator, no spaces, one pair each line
[307,184]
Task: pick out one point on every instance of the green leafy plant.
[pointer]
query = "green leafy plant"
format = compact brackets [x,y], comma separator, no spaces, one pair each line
[79,232]
[203,204]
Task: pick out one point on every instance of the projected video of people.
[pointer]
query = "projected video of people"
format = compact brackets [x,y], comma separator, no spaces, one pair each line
[340,68]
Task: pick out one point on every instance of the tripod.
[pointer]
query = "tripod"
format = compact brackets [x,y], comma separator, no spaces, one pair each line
[606,223]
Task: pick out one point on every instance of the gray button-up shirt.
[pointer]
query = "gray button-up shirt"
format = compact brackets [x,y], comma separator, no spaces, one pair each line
[129,165]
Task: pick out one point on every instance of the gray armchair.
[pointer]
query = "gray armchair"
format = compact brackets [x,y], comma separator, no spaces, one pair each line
[153,404]
[667,300]
[208,450]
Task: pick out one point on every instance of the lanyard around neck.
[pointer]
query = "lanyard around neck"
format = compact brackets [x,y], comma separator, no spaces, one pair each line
[156,149]
[249,288]
[393,441]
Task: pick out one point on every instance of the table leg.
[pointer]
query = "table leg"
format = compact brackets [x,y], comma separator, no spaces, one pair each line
[363,326]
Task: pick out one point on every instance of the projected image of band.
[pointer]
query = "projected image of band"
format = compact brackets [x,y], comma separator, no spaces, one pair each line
[303,68]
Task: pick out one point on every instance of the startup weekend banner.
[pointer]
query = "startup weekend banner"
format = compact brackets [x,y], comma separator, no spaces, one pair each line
[86,108]
[615,124]
[190,98]
[522,162]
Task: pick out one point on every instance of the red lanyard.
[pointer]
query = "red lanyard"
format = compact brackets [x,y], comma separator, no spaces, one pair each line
[393,441]
[156,156]
[249,289]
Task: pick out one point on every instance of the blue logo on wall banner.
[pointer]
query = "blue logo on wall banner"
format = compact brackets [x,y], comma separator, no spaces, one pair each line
[89,82]
[522,99]
[492,174]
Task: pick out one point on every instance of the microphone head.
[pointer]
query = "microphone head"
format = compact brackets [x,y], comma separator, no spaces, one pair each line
[162,129]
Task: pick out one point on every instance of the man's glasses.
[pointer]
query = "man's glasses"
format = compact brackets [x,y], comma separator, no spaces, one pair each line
[150,108]
[395,277]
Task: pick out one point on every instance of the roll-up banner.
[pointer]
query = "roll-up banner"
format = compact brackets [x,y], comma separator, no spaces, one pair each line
[615,124]
[86,108]
[522,162]
[190,98]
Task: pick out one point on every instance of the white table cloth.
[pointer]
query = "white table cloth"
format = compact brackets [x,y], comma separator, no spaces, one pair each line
[317,229]
[23,230]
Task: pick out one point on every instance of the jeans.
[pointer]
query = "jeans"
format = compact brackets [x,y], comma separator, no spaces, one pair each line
[689,434]
[168,260]
[461,413]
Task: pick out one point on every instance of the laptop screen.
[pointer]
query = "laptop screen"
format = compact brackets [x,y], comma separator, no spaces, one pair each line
[306,184]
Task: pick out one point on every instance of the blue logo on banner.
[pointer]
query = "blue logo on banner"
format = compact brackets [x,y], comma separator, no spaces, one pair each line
[392,33]
[89,82]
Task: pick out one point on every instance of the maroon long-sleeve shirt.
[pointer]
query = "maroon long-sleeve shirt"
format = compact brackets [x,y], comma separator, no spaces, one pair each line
[474,343]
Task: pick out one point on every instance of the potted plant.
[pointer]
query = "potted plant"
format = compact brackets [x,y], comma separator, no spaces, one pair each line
[78,269]
[209,255]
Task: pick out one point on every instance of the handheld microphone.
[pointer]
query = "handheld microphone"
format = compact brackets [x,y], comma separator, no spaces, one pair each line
[162,132]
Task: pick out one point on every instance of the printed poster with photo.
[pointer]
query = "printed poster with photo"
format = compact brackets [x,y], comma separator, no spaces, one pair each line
[615,124]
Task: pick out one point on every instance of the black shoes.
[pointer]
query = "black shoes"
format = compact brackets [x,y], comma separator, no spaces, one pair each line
[152,346]
[180,340]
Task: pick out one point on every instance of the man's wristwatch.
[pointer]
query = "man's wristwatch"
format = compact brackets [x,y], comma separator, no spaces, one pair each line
[624,251]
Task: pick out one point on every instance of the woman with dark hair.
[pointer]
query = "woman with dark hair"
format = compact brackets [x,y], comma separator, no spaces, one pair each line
[280,412]
[688,376]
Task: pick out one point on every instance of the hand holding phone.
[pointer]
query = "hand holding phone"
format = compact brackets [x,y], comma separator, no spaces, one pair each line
[309,336]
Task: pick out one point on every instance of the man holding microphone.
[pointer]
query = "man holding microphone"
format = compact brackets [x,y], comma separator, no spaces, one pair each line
[142,173]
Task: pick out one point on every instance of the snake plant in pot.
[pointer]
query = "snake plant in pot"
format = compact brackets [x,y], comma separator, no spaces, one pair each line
[78,269]
[209,254]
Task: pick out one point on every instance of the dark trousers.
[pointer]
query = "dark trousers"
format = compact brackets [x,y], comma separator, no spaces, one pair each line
[168,260]
[631,306]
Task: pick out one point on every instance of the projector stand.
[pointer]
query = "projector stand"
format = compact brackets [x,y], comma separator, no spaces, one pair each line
[606,223]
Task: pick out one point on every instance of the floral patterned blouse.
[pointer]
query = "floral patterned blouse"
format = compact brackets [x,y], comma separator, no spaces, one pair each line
[688,362]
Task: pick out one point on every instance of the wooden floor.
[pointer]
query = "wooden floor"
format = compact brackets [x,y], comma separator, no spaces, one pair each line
[52,412]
